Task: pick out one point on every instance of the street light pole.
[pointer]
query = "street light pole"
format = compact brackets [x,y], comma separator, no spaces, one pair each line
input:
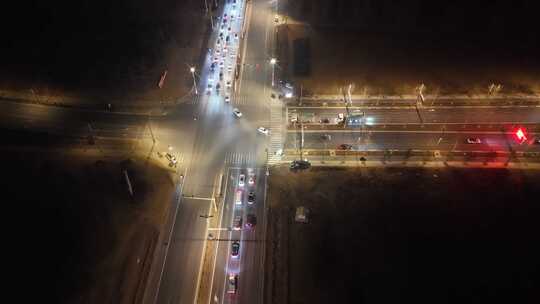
[273,64]
[192,70]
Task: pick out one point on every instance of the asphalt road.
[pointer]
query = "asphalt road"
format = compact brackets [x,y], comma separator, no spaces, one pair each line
[253,99]
[223,143]
[493,141]
[218,142]
[389,115]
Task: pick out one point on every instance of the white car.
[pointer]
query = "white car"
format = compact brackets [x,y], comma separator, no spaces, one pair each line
[475,140]
[236,112]
[232,283]
[228,83]
[251,179]
[171,158]
[228,99]
[238,197]
[263,130]
[340,118]
[236,36]
[241,180]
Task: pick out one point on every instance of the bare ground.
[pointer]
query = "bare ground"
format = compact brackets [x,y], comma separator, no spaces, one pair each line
[76,234]
[110,52]
[396,63]
[393,235]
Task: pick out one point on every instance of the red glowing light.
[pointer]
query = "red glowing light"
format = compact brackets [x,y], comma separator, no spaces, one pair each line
[521,134]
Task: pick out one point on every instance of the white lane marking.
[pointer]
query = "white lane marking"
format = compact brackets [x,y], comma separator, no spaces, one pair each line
[408,131]
[204,244]
[219,243]
[178,201]
[405,106]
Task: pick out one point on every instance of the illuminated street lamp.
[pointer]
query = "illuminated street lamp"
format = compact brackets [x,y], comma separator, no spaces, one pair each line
[192,70]
[273,62]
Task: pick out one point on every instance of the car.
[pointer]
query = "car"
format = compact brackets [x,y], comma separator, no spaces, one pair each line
[229,29]
[219,41]
[340,118]
[241,180]
[236,112]
[251,179]
[235,249]
[221,30]
[236,36]
[218,52]
[238,197]
[221,63]
[251,220]
[263,130]
[300,165]
[212,66]
[228,84]
[345,147]
[251,198]
[220,75]
[294,118]
[228,38]
[232,283]
[537,141]
[474,140]
[237,222]
[326,137]
[209,88]
[218,86]
[172,160]
[324,120]
[228,99]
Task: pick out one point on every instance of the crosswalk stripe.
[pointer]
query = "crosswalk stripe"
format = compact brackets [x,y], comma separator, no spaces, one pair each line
[239,158]
[276,138]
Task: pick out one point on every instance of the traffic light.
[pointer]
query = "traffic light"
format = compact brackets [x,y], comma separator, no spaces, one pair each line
[520,135]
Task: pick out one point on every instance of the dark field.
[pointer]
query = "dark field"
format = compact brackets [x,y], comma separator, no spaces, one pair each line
[389,47]
[100,50]
[72,232]
[405,236]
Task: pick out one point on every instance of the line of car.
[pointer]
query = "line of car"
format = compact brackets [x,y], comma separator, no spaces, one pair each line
[245,184]
[219,59]
[223,47]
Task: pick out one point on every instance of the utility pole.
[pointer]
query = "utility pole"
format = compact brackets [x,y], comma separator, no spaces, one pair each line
[346,108]
[130,189]
[301,141]
[300,100]
[150,128]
